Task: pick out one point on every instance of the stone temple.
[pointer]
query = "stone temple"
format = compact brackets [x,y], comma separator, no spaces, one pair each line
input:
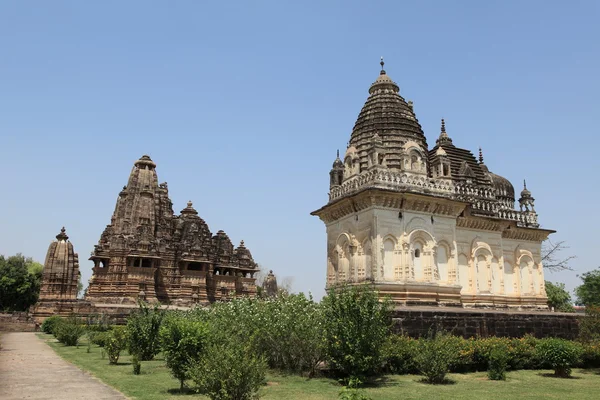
[60,277]
[427,226]
[147,252]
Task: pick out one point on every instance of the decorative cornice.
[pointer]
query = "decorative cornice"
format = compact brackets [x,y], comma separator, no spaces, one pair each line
[390,200]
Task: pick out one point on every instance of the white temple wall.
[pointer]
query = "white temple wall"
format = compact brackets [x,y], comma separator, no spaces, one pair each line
[391,246]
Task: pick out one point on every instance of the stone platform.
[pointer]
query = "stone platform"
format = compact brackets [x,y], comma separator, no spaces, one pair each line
[465,322]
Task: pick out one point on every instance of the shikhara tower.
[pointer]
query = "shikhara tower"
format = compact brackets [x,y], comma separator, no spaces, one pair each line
[149,253]
[427,226]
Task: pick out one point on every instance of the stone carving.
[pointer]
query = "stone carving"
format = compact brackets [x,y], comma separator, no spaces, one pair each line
[175,258]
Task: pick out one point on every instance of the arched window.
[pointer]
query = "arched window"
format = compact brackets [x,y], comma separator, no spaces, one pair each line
[525,277]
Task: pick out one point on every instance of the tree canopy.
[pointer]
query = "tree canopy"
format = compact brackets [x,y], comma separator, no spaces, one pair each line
[558,297]
[588,293]
[20,280]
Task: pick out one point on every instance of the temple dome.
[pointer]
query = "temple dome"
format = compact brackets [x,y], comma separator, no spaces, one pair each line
[388,115]
[504,189]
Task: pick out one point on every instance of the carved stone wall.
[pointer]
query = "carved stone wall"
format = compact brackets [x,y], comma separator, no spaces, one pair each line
[147,252]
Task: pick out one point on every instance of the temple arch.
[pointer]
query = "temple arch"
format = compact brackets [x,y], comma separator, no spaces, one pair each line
[463,273]
[525,264]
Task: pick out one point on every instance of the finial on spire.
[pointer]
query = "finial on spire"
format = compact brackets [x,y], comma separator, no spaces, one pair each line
[382,63]
[189,203]
[524,184]
[62,235]
[443,126]
[338,153]
[480,156]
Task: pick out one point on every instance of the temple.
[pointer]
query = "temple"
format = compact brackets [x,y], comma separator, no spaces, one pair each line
[427,226]
[149,253]
[60,278]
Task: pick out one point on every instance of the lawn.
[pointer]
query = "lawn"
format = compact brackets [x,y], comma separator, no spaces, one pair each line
[155,382]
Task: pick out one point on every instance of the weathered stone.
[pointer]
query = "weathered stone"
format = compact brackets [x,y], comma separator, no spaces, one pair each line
[149,253]
[60,278]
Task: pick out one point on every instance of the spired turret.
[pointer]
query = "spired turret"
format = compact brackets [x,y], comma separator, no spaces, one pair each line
[60,278]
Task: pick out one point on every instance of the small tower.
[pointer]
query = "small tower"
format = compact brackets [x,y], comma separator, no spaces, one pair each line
[336,175]
[60,277]
[527,205]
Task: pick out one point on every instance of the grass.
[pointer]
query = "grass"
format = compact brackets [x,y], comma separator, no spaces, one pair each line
[155,382]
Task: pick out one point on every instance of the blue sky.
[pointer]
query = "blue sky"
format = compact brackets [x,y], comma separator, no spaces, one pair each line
[243,104]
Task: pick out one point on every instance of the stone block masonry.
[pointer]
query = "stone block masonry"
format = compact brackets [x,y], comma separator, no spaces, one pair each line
[420,321]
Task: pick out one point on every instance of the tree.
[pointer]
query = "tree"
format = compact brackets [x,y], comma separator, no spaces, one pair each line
[558,297]
[20,281]
[356,325]
[588,294]
[551,258]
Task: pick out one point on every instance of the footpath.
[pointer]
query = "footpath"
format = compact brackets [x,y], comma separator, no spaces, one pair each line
[30,369]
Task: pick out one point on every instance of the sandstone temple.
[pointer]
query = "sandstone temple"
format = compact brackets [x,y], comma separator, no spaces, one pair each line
[429,226]
[147,252]
[60,277]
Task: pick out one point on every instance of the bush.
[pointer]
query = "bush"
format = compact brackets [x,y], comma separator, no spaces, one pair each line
[98,338]
[498,363]
[229,370]
[49,324]
[589,326]
[522,353]
[591,355]
[286,330]
[116,341]
[68,331]
[398,353]
[143,328]
[559,354]
[435,356]
[356,325]
[183,341]
[135,363]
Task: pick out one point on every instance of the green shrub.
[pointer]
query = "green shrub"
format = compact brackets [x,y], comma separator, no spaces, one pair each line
[398,353]
[143,328]
[498,363]
[356,325]
[68,331]
[589,325]
[286,330]
[591,355]
[522,353]
[49,324]
[229,370]
[559,354]
[135,363]
[98,338]
[183,341]
[116,341]
[436,355]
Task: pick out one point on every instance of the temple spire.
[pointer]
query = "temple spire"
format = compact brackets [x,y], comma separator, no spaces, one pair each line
[443,135]
[480,156]
[382,63]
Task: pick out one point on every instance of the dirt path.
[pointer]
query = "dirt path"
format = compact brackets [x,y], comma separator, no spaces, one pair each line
[30,369]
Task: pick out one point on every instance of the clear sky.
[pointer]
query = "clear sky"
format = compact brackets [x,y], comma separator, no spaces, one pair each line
[243,104]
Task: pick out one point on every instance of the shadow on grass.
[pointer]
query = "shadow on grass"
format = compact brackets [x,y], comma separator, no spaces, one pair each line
[551,375]
[590,371]
[446,381]
[381,381]
[186,392]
